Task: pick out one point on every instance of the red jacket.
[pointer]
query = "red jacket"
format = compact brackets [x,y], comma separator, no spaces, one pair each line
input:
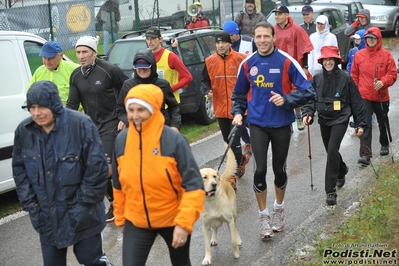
[199,23]
[293,40]
[374,63]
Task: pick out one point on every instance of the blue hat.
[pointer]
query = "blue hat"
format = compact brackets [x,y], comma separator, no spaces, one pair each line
[50,49]
[141,63]
[231,27]
[307,10]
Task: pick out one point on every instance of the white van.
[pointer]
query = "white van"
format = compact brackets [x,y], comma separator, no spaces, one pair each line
[19,53]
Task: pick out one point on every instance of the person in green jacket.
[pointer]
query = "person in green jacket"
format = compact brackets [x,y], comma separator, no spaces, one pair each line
[54,69]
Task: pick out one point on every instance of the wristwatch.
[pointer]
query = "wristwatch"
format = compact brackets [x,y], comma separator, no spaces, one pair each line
[306,67]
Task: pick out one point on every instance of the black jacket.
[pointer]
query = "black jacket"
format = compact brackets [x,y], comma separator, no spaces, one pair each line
[337,86]
[170,107]
[98,93]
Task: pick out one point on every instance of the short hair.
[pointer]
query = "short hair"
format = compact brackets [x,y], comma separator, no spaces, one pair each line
[264,24]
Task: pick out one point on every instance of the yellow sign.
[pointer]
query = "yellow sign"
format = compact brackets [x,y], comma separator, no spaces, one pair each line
[78,18]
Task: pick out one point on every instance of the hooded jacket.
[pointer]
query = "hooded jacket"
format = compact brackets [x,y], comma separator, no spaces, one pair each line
[330,88]
[108,15]
[318,40]
[355,26]
[61,176]
[156,180]
[293,40]
[374,63]
[169,108]
[356,48]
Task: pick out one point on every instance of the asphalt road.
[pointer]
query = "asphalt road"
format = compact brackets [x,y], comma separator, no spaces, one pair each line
[305,210]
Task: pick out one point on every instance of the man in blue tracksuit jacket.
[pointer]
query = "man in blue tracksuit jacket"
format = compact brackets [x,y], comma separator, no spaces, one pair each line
[264,88]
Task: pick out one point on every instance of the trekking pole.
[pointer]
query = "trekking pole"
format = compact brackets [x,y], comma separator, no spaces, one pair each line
[310,152]
[385,115]
[364,147]
[230,139]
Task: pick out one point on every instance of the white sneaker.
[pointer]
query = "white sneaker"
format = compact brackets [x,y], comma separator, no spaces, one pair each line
[266,231]
[278,222]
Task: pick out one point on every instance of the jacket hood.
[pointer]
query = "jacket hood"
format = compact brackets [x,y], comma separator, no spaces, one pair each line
[153,95]
[377,32]
[149,57]
[45,93]
[323,19]
[362,44]
[365,12]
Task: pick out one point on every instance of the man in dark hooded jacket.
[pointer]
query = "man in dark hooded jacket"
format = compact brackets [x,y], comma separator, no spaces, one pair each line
[145,72]
[60,172]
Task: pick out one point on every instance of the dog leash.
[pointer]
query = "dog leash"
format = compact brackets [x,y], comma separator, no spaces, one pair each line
[230,138]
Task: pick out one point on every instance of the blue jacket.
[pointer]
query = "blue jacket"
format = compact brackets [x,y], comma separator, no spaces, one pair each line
[258,76]
[60,177]
[353,51]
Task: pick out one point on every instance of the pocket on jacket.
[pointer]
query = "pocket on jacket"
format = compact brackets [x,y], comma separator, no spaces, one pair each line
[326,107]
[34,215]
[71,170]
[84,216]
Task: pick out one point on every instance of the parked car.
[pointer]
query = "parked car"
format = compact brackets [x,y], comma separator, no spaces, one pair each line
[192,99]
[349,8]
[384,15]
[21,52]
[336,19]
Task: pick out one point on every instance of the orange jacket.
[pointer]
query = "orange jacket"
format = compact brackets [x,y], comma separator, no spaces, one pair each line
[156,180]
[222,73]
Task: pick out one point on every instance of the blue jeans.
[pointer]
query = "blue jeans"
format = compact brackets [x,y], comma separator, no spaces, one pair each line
[107,34]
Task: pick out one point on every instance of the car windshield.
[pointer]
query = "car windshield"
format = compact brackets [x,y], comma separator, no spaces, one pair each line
[379,2]
[122,53]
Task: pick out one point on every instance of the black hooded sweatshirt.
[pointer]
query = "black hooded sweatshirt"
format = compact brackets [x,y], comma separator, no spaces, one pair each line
[171,113]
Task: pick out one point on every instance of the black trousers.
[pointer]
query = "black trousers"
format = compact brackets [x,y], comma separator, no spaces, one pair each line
[367,134]
[225,125]
[335,167]
[279,138]
[137,243]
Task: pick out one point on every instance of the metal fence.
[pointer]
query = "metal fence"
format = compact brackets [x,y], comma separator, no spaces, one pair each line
[65,20]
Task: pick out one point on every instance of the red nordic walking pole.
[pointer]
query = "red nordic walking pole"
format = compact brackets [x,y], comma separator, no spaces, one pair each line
[310,153]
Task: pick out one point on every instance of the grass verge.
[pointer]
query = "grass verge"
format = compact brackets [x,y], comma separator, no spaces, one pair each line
[374,227]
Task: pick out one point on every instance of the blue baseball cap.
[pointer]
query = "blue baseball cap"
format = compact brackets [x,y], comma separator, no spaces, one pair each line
[231,27]
[141,63]
[50,49]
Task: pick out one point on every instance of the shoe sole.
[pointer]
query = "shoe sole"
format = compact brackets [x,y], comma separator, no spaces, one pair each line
[266,237]
[279,229]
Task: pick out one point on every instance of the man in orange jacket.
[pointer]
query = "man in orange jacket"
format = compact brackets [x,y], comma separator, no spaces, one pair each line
[219,77]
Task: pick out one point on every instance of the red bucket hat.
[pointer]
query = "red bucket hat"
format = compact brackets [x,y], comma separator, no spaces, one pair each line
[329,51]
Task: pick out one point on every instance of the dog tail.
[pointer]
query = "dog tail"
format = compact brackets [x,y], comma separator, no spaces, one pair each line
[231,165]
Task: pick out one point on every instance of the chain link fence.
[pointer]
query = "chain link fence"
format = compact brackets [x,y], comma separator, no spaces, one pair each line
[66,21]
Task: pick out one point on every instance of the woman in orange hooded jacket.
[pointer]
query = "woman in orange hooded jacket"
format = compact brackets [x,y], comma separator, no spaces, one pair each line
[158,188]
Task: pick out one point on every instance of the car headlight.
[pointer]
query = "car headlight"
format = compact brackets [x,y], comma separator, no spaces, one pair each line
[381,18]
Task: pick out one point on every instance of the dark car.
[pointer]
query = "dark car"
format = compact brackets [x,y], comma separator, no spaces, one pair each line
[194,47]
[336,19]
[349,8]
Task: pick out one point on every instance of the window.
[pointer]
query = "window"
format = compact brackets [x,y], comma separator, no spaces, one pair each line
[191,52]
[209,44]
[354,12]
[32,51]
[122,53]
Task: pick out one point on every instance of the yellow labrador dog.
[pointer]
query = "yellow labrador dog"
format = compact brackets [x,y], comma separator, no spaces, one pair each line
[219,207]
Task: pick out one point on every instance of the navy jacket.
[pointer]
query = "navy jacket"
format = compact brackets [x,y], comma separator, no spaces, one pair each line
[60,177]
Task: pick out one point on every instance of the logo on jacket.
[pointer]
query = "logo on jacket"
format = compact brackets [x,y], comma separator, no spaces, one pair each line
[274,71]
[98,82]
[253,71]
[155,151]
[260,82]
